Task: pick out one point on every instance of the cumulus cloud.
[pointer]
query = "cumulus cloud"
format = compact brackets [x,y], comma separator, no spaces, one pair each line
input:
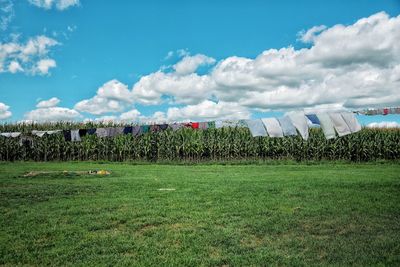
[52,102]
[208,110]
[6,13]
[384,124]
[59,4]
[309,35]
[190,64]
[113,96]
[43,65]
[52,114]
[4,111]
[31,57]
[188,89]
[132,115]
[14,67]
[351,66]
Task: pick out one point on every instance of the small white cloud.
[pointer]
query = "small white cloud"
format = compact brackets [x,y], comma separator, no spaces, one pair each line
[112,96]
[6,13]
[132,115]
[309,35]
[4,111]
[14,67]
[59,4]
[52,114]
[182,52]
[169,55]
[208,110]
[384,124]
[52,102]
[189,64]
[31,57]
[43,66]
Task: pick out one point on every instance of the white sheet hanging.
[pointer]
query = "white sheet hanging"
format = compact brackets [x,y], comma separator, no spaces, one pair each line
[340,125]
[299,121]
[273,127]
[351,121]
[326,125]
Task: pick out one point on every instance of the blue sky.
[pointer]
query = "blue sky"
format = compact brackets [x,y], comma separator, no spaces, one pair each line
[128,42]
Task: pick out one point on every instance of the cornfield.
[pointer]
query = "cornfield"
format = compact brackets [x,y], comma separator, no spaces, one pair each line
[198,145]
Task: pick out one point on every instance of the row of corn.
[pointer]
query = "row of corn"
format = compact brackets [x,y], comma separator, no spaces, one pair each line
[193,145]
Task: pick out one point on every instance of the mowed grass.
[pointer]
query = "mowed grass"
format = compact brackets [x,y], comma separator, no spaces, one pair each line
[233,215]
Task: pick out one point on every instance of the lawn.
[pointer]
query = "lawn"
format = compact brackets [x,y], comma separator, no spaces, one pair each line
[234,215]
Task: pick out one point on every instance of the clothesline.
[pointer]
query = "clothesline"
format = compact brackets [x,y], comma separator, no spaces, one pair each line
[340,123]
[379,111]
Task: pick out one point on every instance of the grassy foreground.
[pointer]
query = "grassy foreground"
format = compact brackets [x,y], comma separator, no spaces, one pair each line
[324,214]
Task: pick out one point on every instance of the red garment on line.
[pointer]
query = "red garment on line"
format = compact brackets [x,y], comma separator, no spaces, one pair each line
[385,111]
[195,125]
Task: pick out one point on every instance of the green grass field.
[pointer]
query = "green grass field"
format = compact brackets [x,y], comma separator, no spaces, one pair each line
[233,215]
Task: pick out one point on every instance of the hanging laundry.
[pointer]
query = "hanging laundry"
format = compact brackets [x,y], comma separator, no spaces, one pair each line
[12,134]
[287,126]
[230,123]
[218,124]
[163,127]
[339,124]
[154,128]
[82,132]
[211,125]
[176,126]
[313,118]
[385,111]
[26,141]
[136,130]
[75,137]
[241,124]
[203,125]
[42,133]
[91,131]
[102,132]
[351,121]
[144,128]
[256,128]
[326,125]
[273,127]
[300,122]
[115,131]
[128,130]
[195,125]
[67,135]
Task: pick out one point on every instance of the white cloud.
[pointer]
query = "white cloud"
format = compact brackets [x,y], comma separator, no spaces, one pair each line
[52,102]
[132,115]
[169,55]
[52,114]
[208,110]
[189,64]
[351,66]
[384,124]
[14,67]
[4,111]
[6,13]
[31,57]
[309,35]
[112,96]
[191,88]
[43,65]
[59,4]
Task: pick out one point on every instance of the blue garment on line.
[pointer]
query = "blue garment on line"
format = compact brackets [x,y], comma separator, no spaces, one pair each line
[287,126]
[313,118]
[256,128]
